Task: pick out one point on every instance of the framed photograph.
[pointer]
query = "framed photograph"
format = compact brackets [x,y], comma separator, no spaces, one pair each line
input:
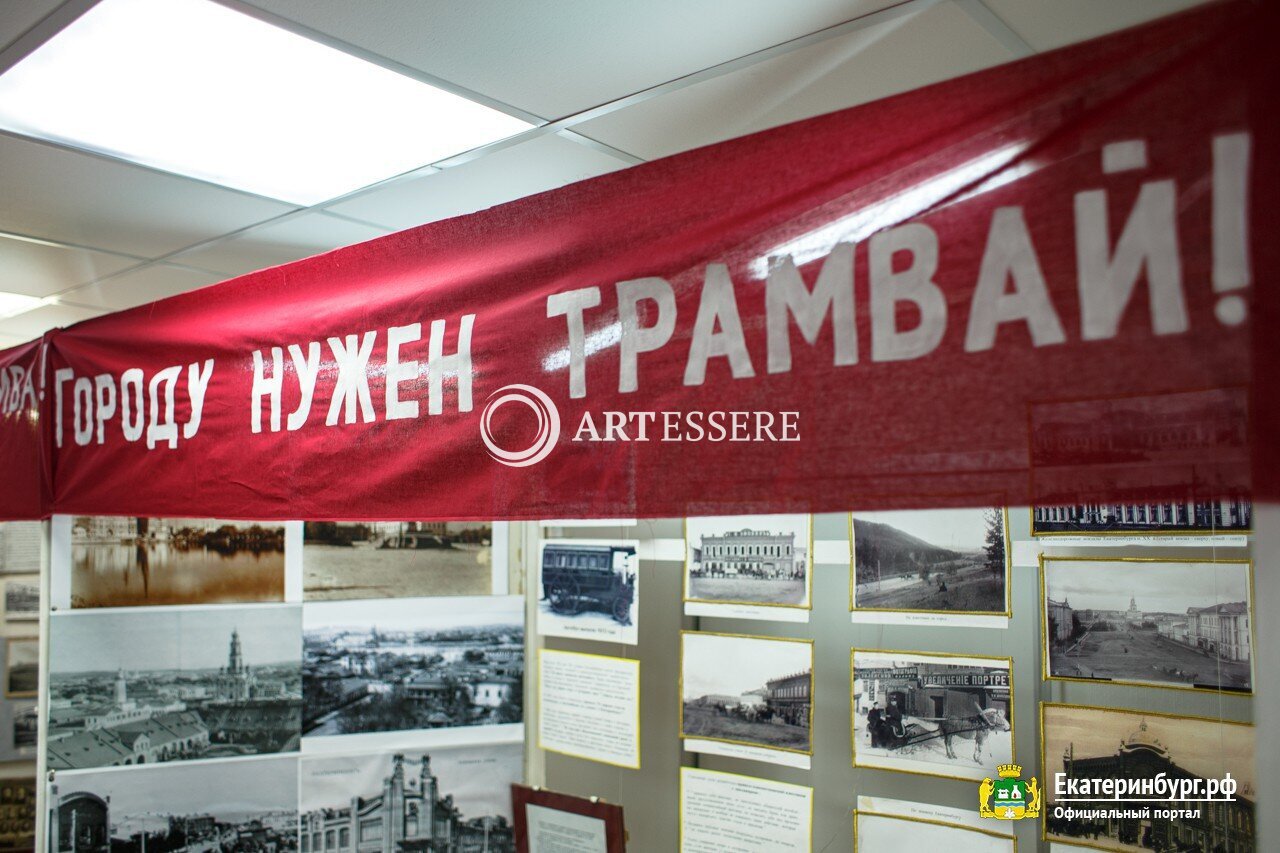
[22,667]
[155,685]
[1149,622]
[1229,516]
[933,713]
[1081,743]
[22,599]
[411,801]
[402,559]
[19,729]
[589,589]
[20,547]
[874,832]
[118,561]
[747,692]
[441,667]
[17,814]
[749,566]
[942,562]
[546,822]
[249,803]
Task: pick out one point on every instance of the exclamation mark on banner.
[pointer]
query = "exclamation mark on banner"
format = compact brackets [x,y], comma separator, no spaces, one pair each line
[1231,226]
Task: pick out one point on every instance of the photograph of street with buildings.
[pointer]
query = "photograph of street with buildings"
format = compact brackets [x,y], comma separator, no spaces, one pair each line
[218,807]
[1170,624]
[21,599]
[1231,515]
[118,561]
[747,690]
[1086,743]
[940,715]
[455,800]
[950,560]
[154,685]
[412,663]
[397,559]
[748,559]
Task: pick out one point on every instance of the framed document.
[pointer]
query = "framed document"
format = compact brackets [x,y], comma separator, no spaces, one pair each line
[546,821]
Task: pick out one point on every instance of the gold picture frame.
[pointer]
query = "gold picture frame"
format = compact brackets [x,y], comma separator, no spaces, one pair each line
[1008,580]
[812,693]
[1046,673]
[853,711]
[1044,764]
[858,813]
[9,692]
[685,598]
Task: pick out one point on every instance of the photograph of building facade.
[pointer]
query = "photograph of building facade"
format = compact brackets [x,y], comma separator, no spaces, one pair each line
[122,692]
[1232,515]
[119,561]
[231,806]
[935,714]
[760,559]
[397,559]
[1165,623]
[412,664]
[450,801]
[1081,743]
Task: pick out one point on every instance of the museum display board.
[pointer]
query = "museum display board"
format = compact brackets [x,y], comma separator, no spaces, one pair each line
[984,518]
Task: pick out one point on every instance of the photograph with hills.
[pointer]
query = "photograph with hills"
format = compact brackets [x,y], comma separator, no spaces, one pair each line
[932,561]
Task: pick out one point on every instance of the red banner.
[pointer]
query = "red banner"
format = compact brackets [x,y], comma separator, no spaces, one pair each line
[1033,283]
[24,463]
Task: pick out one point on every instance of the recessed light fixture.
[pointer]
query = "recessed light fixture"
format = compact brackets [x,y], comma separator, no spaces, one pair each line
[13,304]
[195,88]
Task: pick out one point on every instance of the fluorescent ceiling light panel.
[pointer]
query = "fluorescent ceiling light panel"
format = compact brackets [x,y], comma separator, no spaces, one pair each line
[192,87]
[13,304]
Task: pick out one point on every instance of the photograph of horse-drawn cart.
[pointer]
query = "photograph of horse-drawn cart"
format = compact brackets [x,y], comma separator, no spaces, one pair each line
[589,589]
[935,714]
[752,691]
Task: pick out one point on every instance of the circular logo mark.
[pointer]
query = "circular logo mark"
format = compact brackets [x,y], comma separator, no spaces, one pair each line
[548,425]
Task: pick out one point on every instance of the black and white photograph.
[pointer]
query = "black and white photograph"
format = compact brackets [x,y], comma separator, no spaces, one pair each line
[451,800]
[412,663]
[756,561]
[1228,516]
[21,667]
[1150,622]
[18,813]
[149,686]
[589,589]
[220,807]
[119,561]
[399,559]
[751,691]
[21,599]
[933,714]
[1087,743]
[931,561]
[19,729]
[20,547]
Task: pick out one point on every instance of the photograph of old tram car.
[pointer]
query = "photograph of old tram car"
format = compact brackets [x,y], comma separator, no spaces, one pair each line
[578,577]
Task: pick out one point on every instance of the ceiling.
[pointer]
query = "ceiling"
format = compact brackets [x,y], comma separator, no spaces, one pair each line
[609,84]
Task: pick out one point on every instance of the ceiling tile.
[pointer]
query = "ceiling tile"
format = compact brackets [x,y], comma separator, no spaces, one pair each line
[139,287]
[543,163]
[557,57]
[64,195]
[18,17]
[1046,24]
[35,323]
[915,50]
[279,243]
[39,270]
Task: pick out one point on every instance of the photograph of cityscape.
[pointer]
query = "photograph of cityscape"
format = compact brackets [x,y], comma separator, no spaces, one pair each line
[21,667]
[747,690]
[748,559]
[934,714]
[873,833]
[397,559]
[448,801]
[1153,622]
[119,561]
[1086,743]
[21,599]
[412,663]
[942,560]
[1231,515]
[220,807]
[155,685]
